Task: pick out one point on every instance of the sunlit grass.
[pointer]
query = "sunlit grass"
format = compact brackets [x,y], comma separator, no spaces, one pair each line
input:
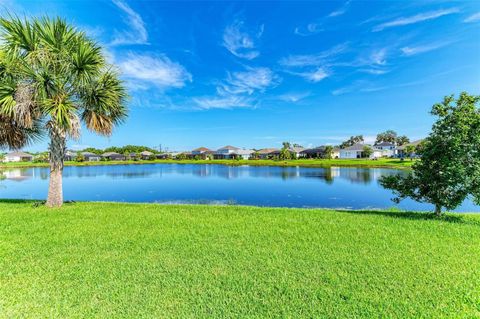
[145,260]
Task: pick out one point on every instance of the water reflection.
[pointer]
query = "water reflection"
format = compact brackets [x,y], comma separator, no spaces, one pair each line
[354,175]
[185,183]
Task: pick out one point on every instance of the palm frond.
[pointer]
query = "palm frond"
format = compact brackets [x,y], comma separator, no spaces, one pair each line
[104,102]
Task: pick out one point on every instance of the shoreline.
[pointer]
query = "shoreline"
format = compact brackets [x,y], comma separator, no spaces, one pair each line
[322,163]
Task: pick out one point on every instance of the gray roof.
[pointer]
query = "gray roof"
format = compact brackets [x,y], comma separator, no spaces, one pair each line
[385,144]
[243,152]
[414,143]
[356,147]
[146,153]
[229,147]
[110,154]
[89,154]
[19,154]
[267,150]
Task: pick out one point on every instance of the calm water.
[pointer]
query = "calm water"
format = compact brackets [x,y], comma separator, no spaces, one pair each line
[246,185]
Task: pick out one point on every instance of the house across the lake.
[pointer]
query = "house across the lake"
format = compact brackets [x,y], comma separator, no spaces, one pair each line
[226,152]
[70,155]
[319,152]
[266,153]
[243,154]
[401,151]
[91,157]
[386,149]
[112,156]
[18,157]
[202,153]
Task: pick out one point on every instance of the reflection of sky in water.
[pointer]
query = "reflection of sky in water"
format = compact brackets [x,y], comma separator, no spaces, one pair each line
[248,185]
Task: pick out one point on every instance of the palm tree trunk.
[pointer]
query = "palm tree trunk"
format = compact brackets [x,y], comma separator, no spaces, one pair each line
[57,150]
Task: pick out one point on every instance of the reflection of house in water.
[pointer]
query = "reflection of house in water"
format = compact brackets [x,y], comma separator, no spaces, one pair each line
[357,175]
[18,174]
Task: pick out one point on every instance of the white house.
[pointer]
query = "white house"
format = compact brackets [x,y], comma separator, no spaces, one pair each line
[356,151]
[91,157]
[244,154]
[18,157]
[386,149]
[225,152]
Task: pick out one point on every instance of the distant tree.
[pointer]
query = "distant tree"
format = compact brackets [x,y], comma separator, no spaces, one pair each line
[255,155]
[80,157]
[449,169]
[388,136]
[285,152]
[367,151]
[297,145]
[402,140]
[352,141]
[181,156]
[93,150]
[410,150]
[328,152]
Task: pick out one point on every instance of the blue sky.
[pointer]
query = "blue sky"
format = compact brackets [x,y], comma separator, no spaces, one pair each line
[254,74]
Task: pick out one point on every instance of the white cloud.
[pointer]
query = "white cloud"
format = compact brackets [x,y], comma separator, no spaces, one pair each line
[227,102]
[313,59]
[379,57]
[294,97]
[254,79]
[340,11]
[473,18]
[317,75]
[374,71]
[137,33]
[157,70]
[239,42]
[415,19]
[409,51]
[310,29]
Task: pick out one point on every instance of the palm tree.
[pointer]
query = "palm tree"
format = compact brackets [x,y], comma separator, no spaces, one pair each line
[53,78]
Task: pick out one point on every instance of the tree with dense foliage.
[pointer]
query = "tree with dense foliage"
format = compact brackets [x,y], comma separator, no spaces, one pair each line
[410,150]
[352,141]
[285,152]
[53,78]
[449,169]
[402,140]
[388,136]
[328,152]
[367,151]
[80,157]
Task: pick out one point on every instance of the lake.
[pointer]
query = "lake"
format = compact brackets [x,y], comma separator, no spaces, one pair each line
[335,187]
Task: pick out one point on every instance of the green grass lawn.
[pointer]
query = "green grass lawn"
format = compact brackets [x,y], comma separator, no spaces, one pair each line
[144,260]
[385,162]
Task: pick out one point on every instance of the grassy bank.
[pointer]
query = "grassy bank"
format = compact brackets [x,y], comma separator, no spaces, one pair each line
[144,260]
[381,163]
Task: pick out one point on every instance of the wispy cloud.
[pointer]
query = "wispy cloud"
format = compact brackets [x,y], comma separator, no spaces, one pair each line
[340,11]
[240,89]
[374,71]
[473,18]
[158,70]
[313,59]
[309,29]
[137,33]
[249,81]
[294,97]
[414,50]
[415,19]
[316,75]
[319,25]
[227,102]
[240,42]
